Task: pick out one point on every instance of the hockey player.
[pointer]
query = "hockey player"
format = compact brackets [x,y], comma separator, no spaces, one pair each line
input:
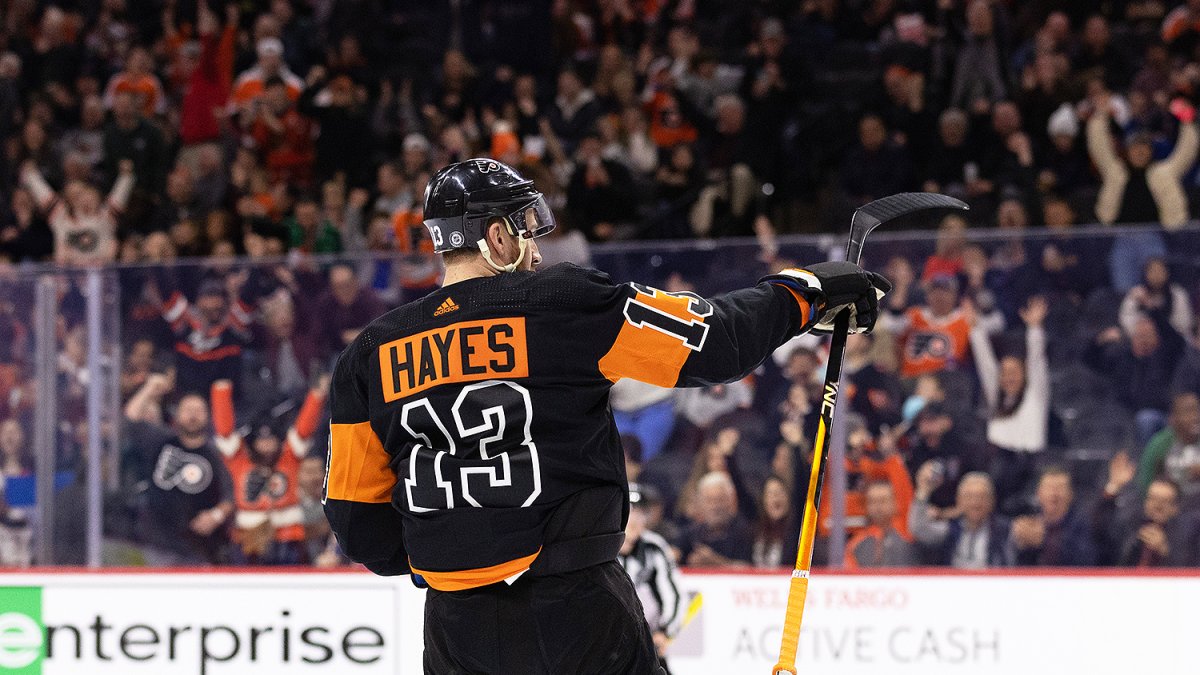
[471,441]
[648,561]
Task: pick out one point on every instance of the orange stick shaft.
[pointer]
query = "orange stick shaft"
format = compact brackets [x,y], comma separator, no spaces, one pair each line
[798,590]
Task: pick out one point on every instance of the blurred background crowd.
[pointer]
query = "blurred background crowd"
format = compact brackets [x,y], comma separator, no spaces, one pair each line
[252,174]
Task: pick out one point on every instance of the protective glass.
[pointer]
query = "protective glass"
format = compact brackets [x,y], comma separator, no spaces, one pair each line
[533,219]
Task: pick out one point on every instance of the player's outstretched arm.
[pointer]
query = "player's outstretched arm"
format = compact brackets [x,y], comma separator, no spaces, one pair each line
[683,340]
[359,478]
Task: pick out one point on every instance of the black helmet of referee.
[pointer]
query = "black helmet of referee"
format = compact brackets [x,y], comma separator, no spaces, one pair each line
[463,198]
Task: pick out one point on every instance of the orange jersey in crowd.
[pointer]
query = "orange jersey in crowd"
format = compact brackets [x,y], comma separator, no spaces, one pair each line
[931,344]
[863,471]
[668,127]
[1177,23]
[145,87]
[249,85]
[869,532]
[265,492]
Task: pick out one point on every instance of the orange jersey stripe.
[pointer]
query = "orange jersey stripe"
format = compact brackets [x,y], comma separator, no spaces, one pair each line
[805,306]
[483,576]
[645,353]
[358,465]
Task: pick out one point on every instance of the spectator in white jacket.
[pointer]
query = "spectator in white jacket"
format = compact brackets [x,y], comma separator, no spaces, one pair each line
[1017,393]
[84,225]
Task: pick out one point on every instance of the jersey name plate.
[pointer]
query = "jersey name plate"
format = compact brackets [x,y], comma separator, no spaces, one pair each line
[461,352]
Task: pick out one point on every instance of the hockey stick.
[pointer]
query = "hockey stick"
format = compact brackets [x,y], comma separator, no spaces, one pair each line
[693,609]
[866,218]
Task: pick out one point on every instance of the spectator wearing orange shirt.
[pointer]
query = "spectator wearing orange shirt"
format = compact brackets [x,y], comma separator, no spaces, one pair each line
[867,461]
[418,269]
[932,337]
[666,109]
[251,84]
[139,79]
[265,466]
[1181,28]
[880,543]
[282,134]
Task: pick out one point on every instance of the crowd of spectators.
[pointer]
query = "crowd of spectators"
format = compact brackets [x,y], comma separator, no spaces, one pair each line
[973,440]
[217,151]
[260,127]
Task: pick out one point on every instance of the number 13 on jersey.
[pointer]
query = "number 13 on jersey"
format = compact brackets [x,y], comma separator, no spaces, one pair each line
[479,453]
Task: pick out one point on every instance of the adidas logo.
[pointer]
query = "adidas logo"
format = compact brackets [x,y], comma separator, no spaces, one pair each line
[448,305]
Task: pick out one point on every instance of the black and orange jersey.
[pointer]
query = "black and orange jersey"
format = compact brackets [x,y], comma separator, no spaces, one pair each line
[265,491]
[462,422]
[932,344]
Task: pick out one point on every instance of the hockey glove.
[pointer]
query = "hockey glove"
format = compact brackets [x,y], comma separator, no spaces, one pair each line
[831,287]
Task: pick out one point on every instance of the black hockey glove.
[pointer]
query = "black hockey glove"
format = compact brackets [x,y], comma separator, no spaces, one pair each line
[833,286]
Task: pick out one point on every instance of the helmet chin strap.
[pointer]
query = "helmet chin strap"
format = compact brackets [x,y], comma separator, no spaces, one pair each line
[522,246]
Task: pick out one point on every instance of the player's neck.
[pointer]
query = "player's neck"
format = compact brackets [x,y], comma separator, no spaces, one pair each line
[471,269]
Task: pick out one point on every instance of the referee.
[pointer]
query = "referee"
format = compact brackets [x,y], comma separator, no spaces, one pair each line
[649,562]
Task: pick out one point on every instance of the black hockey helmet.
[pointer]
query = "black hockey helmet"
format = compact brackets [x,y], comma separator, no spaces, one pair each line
[462,198]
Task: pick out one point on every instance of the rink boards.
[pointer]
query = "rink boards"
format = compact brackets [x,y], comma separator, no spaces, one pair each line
[350,623]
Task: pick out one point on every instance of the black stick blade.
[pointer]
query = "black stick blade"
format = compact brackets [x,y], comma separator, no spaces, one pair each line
[873,214]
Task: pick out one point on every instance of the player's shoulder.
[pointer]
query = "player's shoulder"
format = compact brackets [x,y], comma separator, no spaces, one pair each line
[565,285]
[561,287]
[571,275]
[383,328]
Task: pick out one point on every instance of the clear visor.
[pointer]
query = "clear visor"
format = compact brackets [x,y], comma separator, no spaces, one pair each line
[533,219]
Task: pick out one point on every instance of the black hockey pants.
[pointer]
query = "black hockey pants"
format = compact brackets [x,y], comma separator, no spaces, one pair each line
[586,622]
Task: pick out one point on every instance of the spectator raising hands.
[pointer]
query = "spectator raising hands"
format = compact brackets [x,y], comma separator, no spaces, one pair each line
[250,176]
[1017,391]
[84,225]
